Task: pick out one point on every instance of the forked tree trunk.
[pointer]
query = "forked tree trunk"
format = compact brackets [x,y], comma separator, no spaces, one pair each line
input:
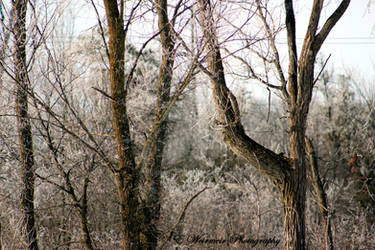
[288,174]
[24,124]
[126,175]
[155,156]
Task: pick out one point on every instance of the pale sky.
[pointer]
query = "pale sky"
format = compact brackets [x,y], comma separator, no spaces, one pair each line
[351,43]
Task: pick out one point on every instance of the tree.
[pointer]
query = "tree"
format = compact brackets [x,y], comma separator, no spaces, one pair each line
[153,166]
[139,218]
[23,123]
[287,173]
[126,175]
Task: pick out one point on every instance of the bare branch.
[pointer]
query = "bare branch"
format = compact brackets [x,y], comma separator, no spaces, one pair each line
[135,63]
[181,217]
[165,112]
[103,93]
[329,24]
[271,37]
[132,12]
[59,186]
[314,20]
[292,49]
[275,166]
[102,33]
[253,75]
[321,71]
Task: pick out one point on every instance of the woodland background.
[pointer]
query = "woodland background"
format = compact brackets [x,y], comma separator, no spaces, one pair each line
[71,122]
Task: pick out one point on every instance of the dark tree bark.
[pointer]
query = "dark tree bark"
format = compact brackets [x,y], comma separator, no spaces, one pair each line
[24,124]
[301,83]
[288,174]
[126,175]
[155,156]
[83,206]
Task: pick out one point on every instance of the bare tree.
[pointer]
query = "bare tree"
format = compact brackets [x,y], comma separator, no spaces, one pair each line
[126,175]
[23,123]
[153,167]
[80,202]
[83,107]
[287,173]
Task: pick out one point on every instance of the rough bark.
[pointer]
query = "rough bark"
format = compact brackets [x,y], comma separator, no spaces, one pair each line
[155,156]
[288,174]
[24,124]
[126,175]
[228,112]
[300,87]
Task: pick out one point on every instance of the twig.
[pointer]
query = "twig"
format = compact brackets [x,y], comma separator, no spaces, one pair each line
[165,112]
[101,28]
[321,71]
[181,217]
[103,93]
[269,104]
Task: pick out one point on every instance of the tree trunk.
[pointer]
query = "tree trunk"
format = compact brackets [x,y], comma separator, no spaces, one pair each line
[294,216]
[83,206]
[86,238]
[24,124]
[288,174]
[126,175]
[154,160]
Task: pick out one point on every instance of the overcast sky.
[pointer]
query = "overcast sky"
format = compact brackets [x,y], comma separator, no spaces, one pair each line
[351,42]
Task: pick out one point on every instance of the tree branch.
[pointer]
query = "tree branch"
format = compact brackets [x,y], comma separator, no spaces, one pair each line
[321,71]
[314,19]
[102,34]
[275,166]
[292,49]
[330,23]
[181,217]
[103,93]
[276,61]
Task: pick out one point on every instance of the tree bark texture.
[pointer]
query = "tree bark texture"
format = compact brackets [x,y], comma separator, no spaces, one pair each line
[126,175]
[288,174]
[24,124]
[155,156]
[300,88]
